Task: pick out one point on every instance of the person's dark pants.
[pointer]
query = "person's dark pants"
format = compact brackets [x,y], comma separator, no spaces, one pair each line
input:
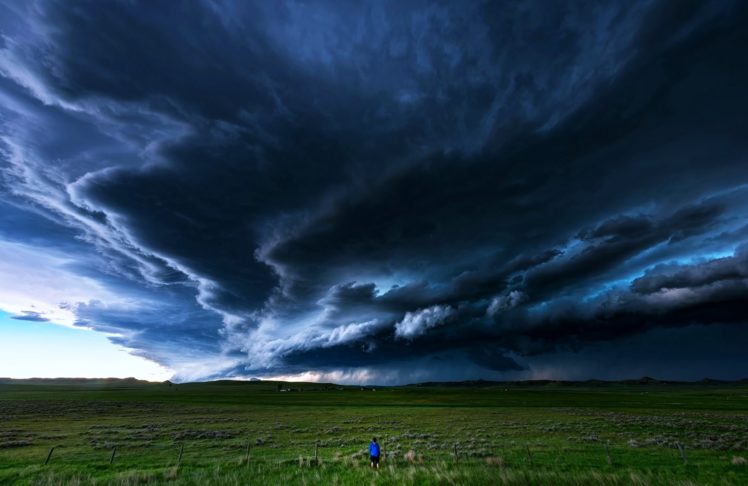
[374,460]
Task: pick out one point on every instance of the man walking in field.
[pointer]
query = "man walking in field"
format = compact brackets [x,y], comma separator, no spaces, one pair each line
[374,453]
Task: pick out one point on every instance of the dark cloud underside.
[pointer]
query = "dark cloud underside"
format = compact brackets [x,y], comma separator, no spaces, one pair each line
[384,191]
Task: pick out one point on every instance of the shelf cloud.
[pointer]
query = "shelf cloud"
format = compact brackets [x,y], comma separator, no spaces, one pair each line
[380,191]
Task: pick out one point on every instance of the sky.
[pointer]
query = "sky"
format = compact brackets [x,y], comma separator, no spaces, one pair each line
[39,350]
[377,192]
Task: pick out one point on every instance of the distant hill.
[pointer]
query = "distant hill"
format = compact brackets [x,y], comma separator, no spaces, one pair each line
[313,386]
[76,381]
[254,384]
[645,380]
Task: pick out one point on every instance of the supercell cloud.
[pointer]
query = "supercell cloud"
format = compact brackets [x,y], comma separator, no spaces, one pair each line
[381,191]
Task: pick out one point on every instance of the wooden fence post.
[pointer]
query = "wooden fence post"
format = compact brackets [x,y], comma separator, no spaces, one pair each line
[246,453]
[529,455]
[607,453]
[316,445]
[682,453]
[181,451]
[114,451]
[457,455]
[49,456]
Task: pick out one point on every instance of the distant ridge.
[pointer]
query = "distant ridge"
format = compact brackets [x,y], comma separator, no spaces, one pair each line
[123,382]
[76,381]
[645,380]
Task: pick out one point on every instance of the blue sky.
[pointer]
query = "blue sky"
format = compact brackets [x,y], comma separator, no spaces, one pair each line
[31,349]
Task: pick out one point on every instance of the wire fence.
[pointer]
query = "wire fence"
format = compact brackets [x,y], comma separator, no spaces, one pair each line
[516,454]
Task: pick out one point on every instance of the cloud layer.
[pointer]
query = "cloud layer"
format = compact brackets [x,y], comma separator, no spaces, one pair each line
[381,192]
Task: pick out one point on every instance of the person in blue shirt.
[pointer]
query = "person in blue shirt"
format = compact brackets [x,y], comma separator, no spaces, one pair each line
[374,453]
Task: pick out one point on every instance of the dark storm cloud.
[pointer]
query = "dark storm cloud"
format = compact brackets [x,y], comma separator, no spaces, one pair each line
[678,276]
[252,188]
[615,240]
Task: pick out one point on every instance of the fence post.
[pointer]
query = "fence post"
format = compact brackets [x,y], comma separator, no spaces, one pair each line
[607,453]
[457,455]
[114,451]
[181,450]
[682,453]
[316,445]
[529,455]
[49,456]
[246,453]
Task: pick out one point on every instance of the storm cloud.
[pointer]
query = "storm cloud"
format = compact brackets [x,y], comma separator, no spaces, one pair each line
[379,191]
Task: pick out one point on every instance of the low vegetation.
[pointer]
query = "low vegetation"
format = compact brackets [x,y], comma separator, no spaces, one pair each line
[254,433]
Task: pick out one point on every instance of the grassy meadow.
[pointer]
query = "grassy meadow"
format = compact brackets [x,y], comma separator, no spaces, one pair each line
[252,433]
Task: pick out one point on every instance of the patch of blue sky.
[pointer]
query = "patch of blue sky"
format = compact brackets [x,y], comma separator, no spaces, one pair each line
[37,349]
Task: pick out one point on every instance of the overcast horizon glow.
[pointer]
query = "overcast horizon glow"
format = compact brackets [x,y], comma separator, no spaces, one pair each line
[373,192]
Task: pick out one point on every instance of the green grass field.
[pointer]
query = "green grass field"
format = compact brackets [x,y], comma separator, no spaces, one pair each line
[507,434]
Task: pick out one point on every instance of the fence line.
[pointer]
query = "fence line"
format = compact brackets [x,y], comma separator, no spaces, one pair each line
[406,458]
